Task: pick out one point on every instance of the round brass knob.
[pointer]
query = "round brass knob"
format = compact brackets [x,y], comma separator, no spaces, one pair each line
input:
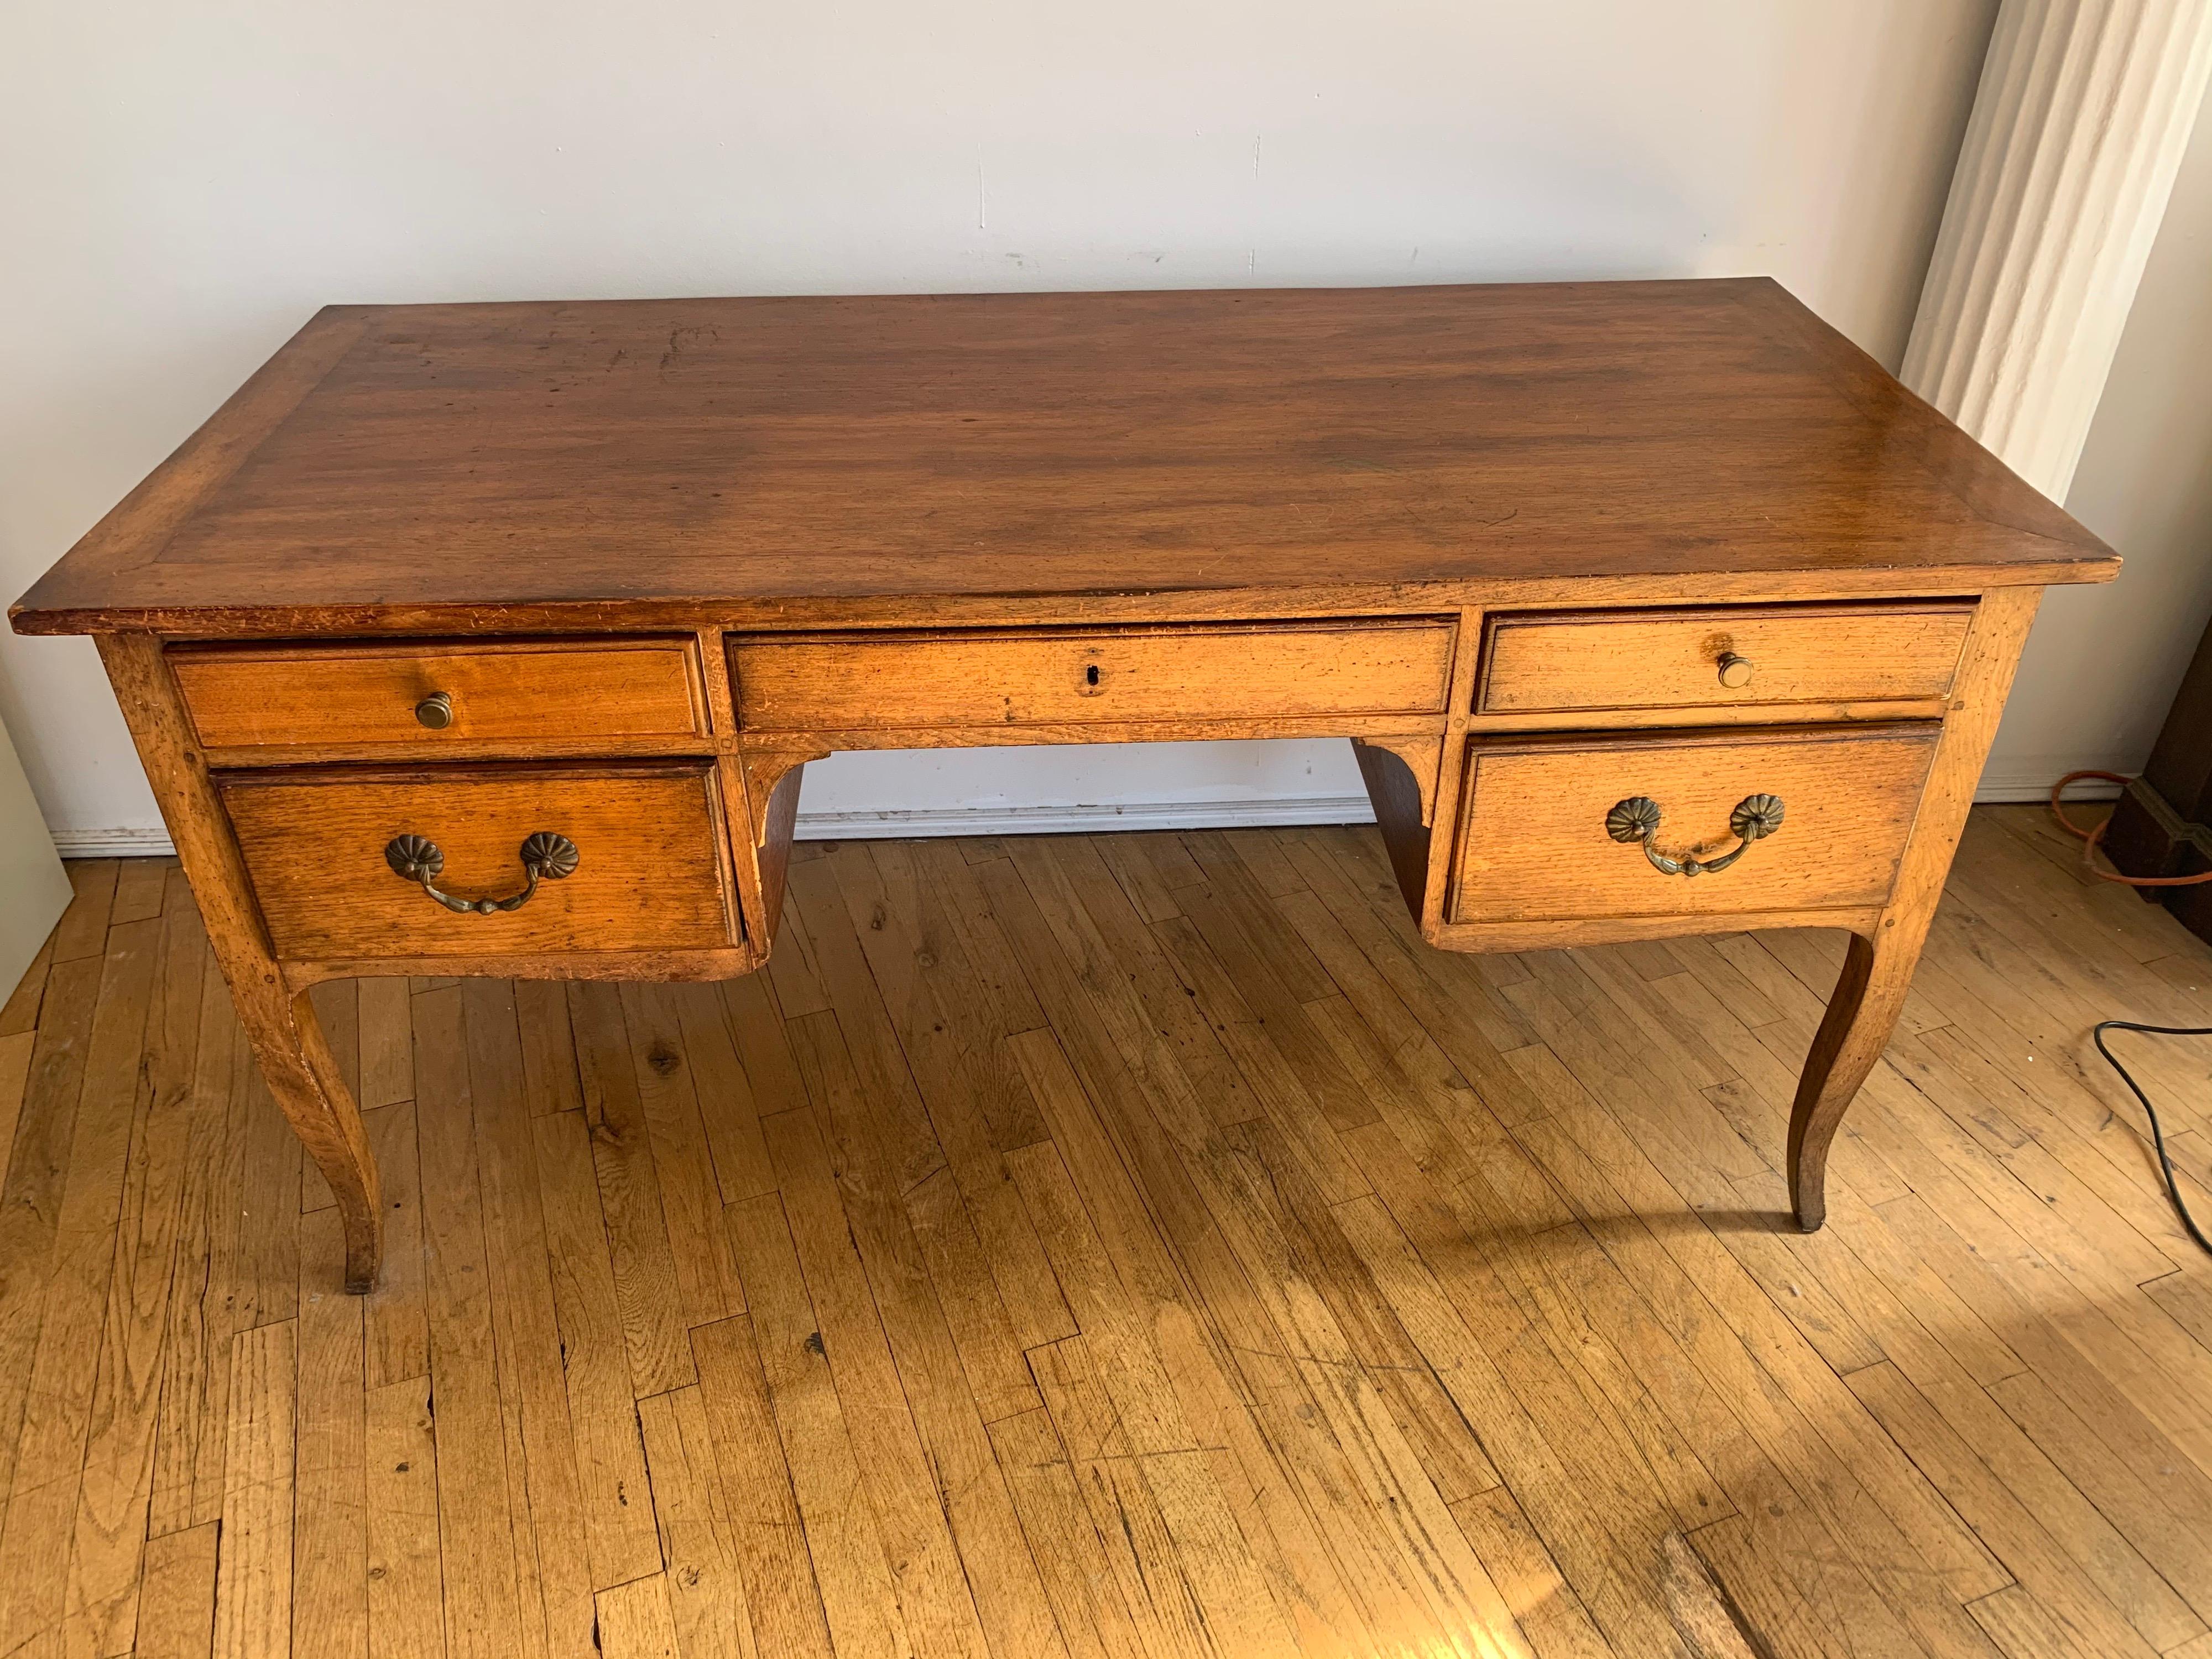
[1734,670]
[435,711]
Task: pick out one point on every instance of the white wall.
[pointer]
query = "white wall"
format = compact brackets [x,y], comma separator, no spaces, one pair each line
[2102,663]
[186,184]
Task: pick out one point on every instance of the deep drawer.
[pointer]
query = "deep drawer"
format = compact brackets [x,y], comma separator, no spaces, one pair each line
[649,871]
[1045,676]
[1535,844]
[425,696]
[1722,657]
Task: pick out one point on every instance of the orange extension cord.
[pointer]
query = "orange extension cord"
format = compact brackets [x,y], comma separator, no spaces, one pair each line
[2090,838]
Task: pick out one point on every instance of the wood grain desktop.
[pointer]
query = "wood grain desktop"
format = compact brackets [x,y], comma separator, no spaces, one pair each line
[1652,608]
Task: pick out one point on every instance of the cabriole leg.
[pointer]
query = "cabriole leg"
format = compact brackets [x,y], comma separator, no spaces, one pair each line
[281,1027]
[1861,1014]
[303,1077]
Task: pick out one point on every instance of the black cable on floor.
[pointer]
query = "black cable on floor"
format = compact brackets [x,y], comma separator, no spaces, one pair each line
[2157,1136]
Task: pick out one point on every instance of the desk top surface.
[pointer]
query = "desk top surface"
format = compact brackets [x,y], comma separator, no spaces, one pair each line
[798,458]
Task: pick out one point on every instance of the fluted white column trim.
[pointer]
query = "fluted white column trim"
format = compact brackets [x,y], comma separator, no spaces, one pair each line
[2077,130]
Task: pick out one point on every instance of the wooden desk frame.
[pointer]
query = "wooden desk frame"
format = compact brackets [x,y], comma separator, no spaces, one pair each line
[1412,769]
[1837,495]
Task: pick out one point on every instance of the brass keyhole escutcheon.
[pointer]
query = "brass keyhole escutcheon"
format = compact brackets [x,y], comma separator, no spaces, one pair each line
[1735,670]
[435,711]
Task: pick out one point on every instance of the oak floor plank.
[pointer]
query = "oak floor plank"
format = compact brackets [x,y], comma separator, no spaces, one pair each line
[176,1600]
[902,1466]
[140,884]
[2030,1555]
[100,1609]
[31,1197]
[1603,1531]
[203,1304]
[555,1577]
[852,1567]
[766,1531]
[266,1282]
[329,1522]
[65,1373]
[14,1077]
[690,1198]
[757,1026]
[1132,984]
[728,1106]
[953,898]
[979,1105]
[476,1490]
[82,930]
[253,1572]
[551,1079]
[1543,1602]
[1224,1583]
[647,1287]
[1074,1560]
[406,1600]
[20,1013]
[945,1016]
[705,1581]
[610,1472]
[635,1620]
[387,1043]
[1257,1431]
[398,1331]
[845,1216]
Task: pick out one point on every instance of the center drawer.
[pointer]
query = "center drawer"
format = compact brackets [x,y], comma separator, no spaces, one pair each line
[649,867]
[1043,677]
[1538,840]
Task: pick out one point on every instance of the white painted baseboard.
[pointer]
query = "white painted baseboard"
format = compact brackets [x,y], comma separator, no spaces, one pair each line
[152,843]
[934,821]
[1040,820]
[1084,820]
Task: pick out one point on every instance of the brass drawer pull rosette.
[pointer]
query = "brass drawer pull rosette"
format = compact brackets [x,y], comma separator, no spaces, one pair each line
[545,856]
[1637,819]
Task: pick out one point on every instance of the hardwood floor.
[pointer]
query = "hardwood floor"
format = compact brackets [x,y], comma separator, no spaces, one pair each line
[1119,1247]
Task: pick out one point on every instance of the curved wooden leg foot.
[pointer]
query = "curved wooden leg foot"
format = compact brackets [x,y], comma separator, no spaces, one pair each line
[1862,1013]
[303,1077]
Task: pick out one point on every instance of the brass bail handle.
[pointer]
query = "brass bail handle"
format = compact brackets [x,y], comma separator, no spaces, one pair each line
[545,856]
[1637,819]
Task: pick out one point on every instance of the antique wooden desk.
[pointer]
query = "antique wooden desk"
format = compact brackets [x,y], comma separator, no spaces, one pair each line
[492,639]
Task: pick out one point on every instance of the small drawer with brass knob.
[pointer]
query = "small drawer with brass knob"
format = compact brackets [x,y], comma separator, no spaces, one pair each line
[254,703]
[1843,661]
